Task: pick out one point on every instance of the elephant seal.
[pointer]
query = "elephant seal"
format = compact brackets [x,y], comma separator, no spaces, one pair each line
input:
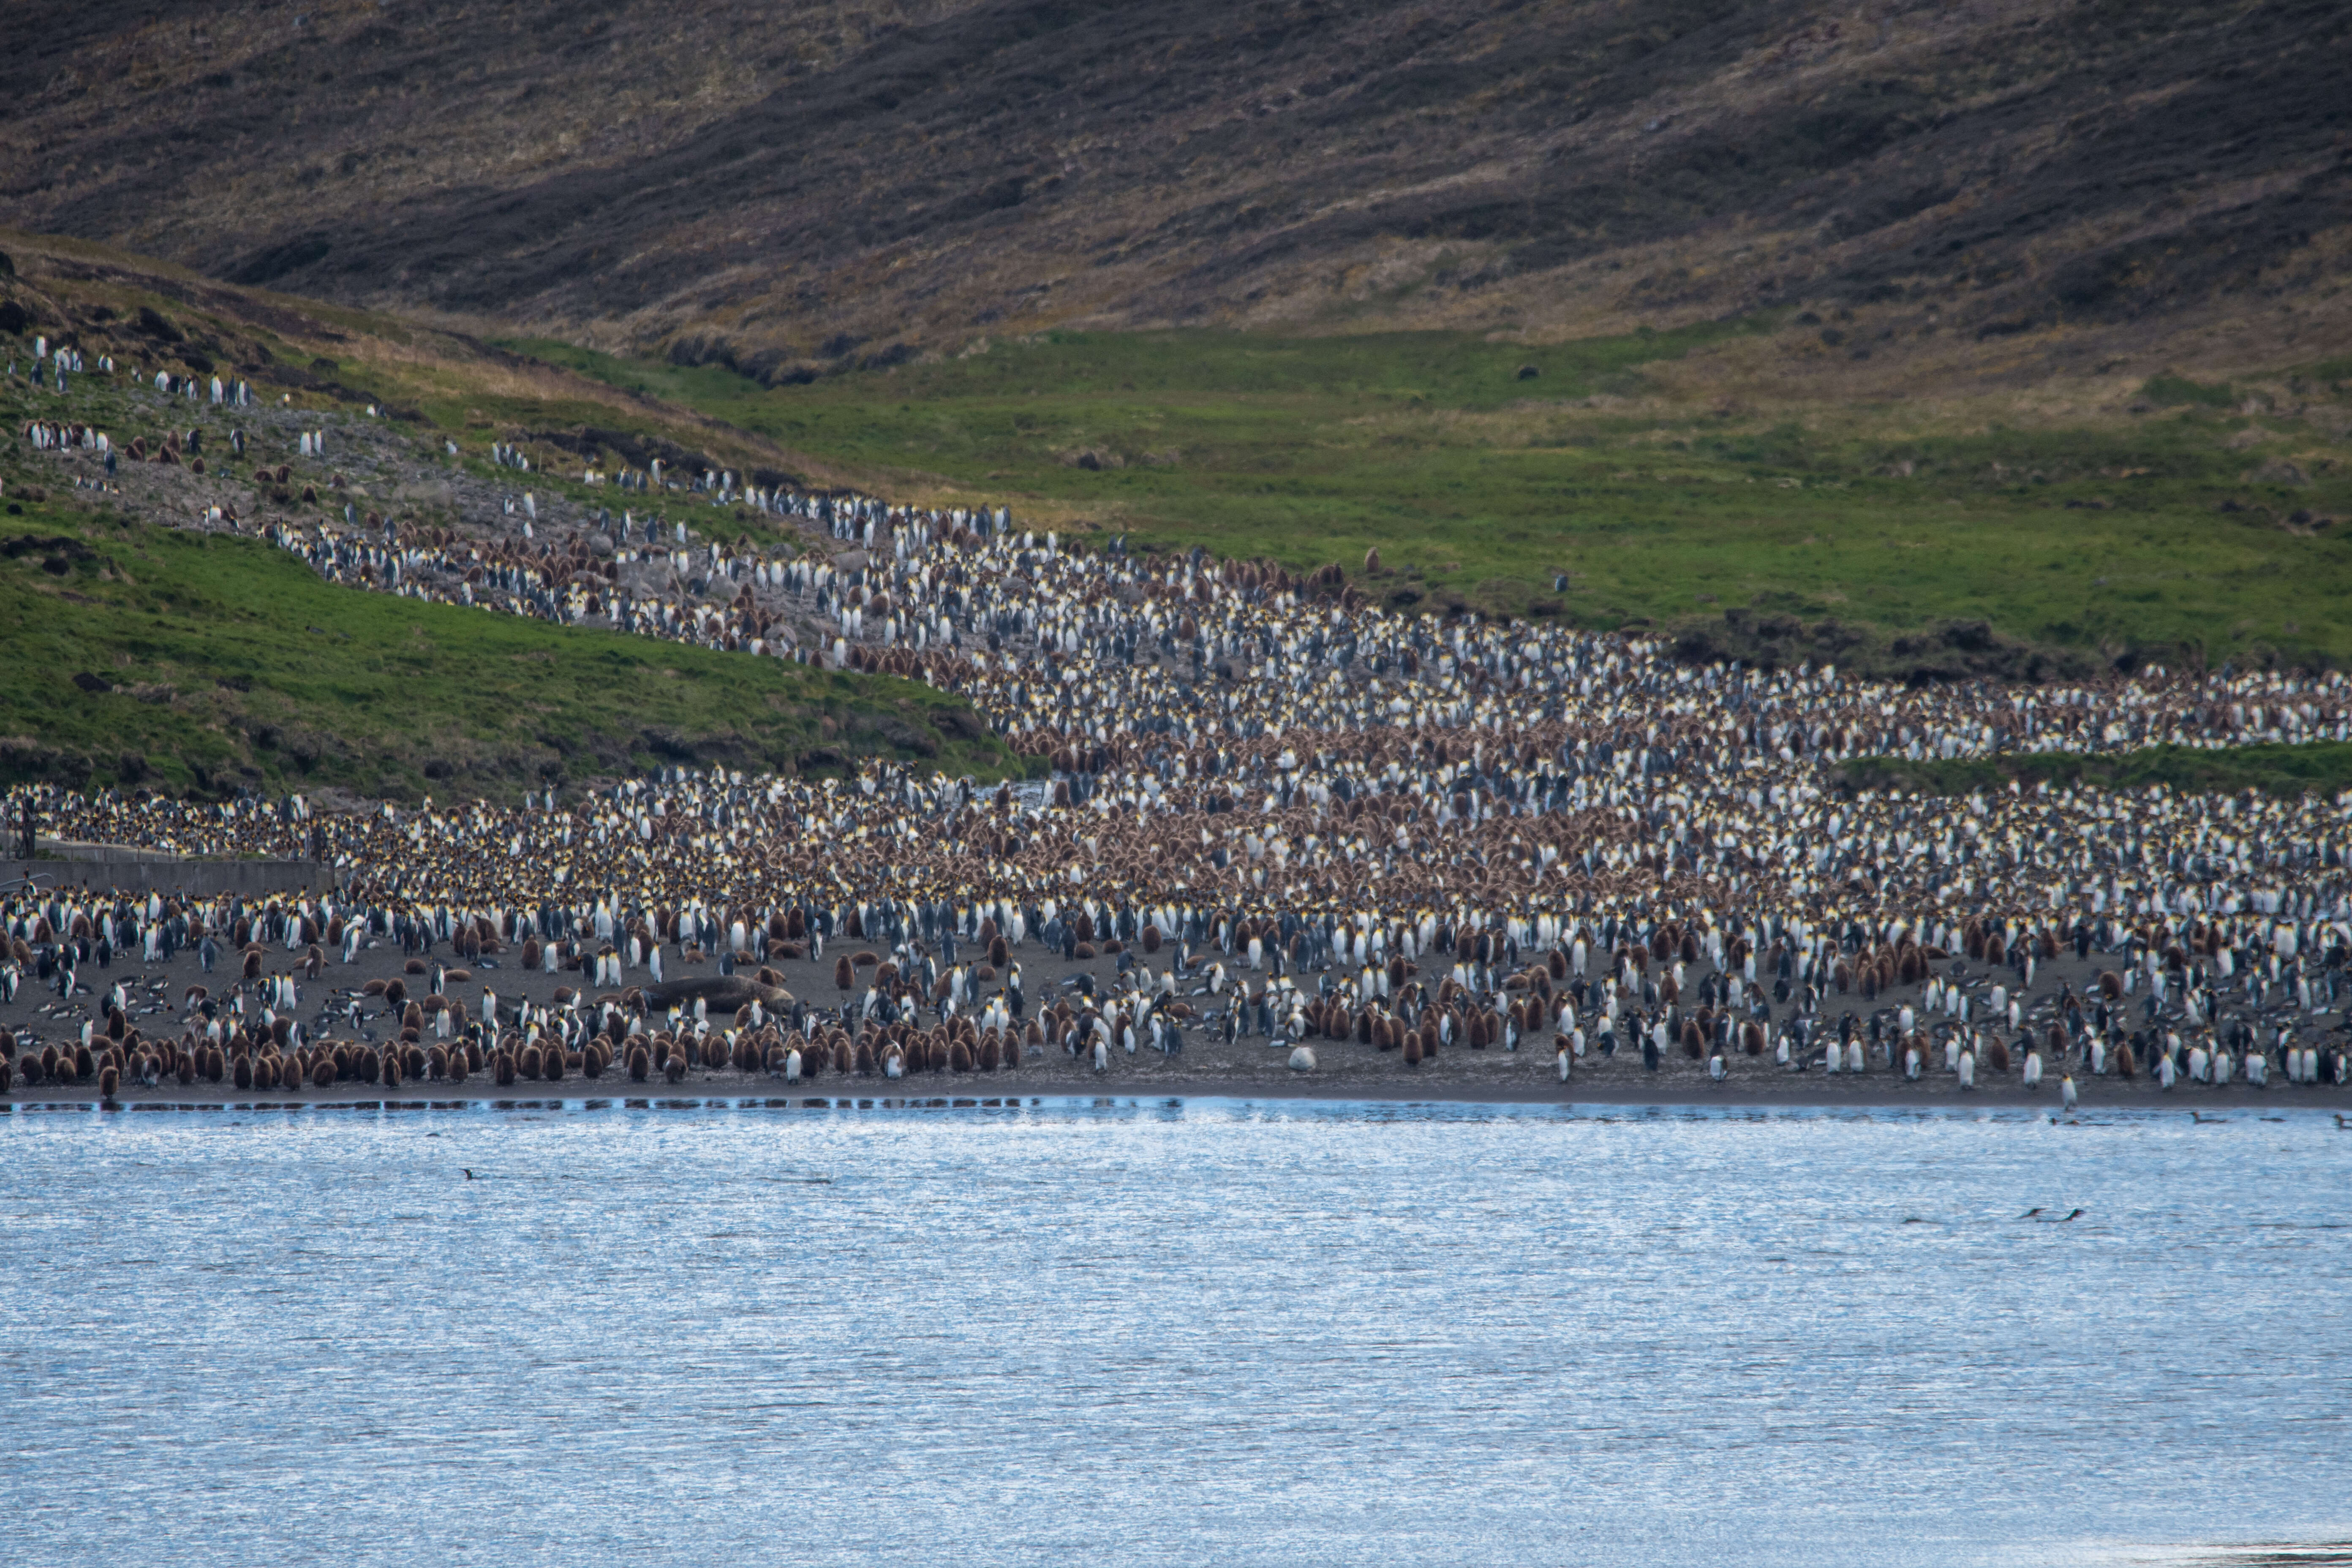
[727,991]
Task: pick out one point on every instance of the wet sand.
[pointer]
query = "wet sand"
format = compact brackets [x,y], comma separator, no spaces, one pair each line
[1208,1067]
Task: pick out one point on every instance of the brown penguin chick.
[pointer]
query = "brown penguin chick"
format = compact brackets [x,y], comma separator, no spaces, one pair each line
[866,1063]
[252,965]
[375,989]
[390,1069]
[551,1064]
[8,1075]
[991,1053]
[503,1065]
[1151,939]
[109,1080]
[959,1057]
[437,1065]
[675,1071]
[1000,953]
[641,1064]
[1412,1051]
[243,1077]
[844,976]
[395,993]
[185,1066]
[415,966]
[529,1064]
[85,1065]
[265,1072]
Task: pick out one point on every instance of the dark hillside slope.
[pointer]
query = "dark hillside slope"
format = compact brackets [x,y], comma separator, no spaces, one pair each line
[862,181]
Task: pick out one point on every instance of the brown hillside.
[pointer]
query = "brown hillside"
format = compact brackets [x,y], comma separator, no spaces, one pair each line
[795,188]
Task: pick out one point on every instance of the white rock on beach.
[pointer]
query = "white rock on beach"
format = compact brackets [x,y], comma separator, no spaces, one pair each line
[1301,1060]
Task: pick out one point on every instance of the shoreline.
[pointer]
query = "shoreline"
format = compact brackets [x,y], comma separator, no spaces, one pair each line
[2229,1103]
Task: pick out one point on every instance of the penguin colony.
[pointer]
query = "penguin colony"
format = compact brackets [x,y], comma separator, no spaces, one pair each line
[1323,820]
[2219,1002]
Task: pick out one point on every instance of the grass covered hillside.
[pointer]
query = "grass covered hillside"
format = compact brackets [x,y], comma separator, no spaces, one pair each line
[821,185]
[145,653]
[2317,768]
[170,658]
[1674,479]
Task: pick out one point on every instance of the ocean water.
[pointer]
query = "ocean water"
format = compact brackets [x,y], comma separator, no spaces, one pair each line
[1207,1331]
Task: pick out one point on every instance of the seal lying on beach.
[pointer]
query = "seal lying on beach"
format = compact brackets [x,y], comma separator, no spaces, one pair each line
[717,990]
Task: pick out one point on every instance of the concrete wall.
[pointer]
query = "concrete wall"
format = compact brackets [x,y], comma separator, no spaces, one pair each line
[202,878]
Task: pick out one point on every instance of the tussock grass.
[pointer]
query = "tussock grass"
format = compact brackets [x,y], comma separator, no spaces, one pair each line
[2100,521]
[208,663]
[2323,768]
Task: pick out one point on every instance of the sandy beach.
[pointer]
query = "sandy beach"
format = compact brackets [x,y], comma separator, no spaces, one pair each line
[1207,1067]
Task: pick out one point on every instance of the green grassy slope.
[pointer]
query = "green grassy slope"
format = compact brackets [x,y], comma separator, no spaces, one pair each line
[2163,528]
[2323,768]
[140,654]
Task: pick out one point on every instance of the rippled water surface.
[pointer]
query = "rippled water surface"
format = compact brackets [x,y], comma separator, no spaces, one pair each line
[702,1333]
